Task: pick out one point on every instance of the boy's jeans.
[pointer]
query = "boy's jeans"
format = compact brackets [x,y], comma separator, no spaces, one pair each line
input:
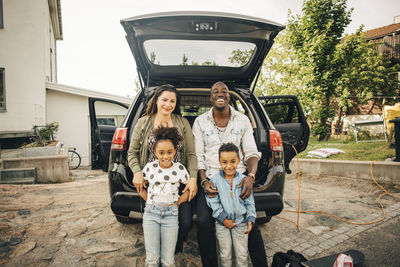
[236,237]
[160,227]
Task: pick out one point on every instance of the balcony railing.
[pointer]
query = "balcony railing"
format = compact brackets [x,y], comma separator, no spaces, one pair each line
[389,46]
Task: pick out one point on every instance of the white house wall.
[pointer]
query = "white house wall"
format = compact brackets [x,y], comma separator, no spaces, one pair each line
[50,54]
[25,41]
[72,114]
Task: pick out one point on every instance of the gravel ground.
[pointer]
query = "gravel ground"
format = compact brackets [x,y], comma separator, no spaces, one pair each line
[71,224]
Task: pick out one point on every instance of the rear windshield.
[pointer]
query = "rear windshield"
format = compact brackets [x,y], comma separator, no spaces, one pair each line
[194,104]
[165,52]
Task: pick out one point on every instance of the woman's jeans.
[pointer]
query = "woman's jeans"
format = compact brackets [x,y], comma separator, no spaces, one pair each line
[236,237]
[160,227]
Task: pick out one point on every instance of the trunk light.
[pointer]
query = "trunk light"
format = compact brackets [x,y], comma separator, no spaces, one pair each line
[275,141]
[119,139]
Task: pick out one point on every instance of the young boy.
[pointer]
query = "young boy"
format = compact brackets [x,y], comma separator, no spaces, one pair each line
[234,217]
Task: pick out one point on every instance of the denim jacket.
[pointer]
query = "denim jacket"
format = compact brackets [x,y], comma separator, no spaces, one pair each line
[225,207]
[207,141]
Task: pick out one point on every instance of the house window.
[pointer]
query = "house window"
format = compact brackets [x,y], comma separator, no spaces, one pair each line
[106,121]
[1,14]
[2,91]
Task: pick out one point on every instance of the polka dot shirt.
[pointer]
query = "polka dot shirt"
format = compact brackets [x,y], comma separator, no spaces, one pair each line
[164,183]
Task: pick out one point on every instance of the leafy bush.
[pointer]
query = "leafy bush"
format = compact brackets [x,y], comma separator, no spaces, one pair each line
[43,134]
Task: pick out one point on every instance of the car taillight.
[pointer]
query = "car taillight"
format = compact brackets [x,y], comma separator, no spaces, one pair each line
[119,139]
[275,141]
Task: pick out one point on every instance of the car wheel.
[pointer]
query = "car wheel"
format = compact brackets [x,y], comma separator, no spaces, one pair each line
[127,220]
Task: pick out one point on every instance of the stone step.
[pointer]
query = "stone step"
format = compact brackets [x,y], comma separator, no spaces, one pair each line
[18,176]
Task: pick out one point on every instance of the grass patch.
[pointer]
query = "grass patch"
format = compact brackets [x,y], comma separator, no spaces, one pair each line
[353,151]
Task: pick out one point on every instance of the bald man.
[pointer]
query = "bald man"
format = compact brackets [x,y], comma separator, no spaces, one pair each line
[223,124]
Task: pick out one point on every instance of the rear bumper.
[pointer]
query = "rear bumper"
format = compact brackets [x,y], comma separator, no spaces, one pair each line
[125,199]
[122,203]
[270,202]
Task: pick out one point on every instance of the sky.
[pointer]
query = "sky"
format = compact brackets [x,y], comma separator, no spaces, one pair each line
[95,55]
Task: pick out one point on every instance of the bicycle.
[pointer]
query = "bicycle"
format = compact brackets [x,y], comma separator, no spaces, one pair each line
[74,159]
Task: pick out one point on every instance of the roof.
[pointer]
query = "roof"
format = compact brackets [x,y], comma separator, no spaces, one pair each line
[56,21]
[85,92]
[382,31]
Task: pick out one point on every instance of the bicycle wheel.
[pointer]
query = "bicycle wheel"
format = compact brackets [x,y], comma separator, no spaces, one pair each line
[74,160]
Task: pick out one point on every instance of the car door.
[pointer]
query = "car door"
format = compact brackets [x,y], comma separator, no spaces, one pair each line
[105,116]
[286,114]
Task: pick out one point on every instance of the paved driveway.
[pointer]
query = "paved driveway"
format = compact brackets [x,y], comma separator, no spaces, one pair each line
[71,224]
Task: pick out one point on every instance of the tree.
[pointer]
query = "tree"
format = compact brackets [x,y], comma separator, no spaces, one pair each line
[240,57]
[364,73]
[152,57]
[281,72]
[326,73]
[209,63]
[138,87]
[184,60]
[314,37]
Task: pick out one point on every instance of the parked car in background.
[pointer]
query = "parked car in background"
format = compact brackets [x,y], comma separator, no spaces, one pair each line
[192,50]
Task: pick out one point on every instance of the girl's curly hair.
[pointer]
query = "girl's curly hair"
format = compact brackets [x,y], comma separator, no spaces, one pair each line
[167,133]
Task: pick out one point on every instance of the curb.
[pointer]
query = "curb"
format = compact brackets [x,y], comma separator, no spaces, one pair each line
[383,171]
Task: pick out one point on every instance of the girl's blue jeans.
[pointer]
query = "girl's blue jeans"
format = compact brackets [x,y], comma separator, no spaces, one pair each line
[236,238]
[160,227]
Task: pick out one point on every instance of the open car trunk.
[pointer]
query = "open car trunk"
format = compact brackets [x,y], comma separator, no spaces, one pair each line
[197,48]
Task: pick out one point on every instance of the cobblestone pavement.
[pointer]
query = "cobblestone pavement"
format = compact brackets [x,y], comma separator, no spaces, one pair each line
[313,244]
[71,224]
[346,198]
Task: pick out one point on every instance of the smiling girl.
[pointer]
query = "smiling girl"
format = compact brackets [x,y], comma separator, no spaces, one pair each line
[160,218]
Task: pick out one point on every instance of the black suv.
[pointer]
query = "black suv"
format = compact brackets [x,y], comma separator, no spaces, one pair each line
[192,50]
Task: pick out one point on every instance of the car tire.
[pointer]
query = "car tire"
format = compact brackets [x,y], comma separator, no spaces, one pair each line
[127,220]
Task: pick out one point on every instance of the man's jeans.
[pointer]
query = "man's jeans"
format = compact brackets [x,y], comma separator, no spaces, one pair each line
[160,227]
[236,237]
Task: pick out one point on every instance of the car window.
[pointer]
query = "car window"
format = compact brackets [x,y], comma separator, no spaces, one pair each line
[198,52]
[281,111]
[239,107]
[106,121]
[195,105]
[108,113]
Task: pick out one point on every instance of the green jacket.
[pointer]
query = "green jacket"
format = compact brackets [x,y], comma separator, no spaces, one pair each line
[138,148]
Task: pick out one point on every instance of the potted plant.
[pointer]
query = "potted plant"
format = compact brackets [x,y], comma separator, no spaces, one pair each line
[43,143]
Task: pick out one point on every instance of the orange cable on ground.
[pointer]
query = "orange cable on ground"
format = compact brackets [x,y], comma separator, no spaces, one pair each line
[298,185]
[328,213]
